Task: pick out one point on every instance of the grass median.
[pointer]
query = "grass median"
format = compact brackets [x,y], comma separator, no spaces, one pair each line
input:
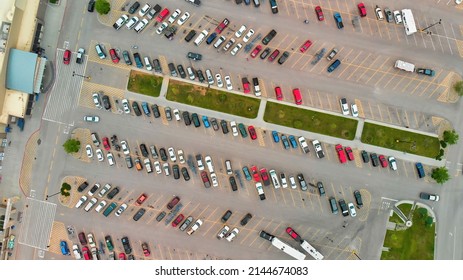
[213,99]
[144,83]
[400,140]
[313,121]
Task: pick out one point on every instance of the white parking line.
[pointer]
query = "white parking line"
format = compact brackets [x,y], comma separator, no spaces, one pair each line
[448,42]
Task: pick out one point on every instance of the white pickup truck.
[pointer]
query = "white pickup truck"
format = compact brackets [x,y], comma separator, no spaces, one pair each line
[318,149]
[195,227]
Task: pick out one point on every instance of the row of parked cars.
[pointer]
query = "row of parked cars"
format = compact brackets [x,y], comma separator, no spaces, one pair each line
[346,208]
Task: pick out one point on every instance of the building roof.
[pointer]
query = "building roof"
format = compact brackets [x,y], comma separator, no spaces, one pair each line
[21,71]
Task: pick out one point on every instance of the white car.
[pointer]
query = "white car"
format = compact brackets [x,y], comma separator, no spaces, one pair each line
[121,209]
[397,17]
[144,10]
[223,232]
[177,114]
[162,27]
[166,168]
[236,49]
[125,106]
[260,191]
[93,119]
[228,83]
[284,183]
[125,147]
[104,190]
[210,165]
[234,128]
[96,100]
[240,31]
[76,251]
[352,211]
[174,16]
[110,158]
[274,177]
[195,227]
[181,158]
[89,151]
[131,23]
[214,180]
[354,110]
[171,151]
[232,234]
[141,25]
[99,155]
[292,182]
[199,162]
[344,106]
[379,13]
[80,54]
[147,164]
[81,201]
[100,206]
[157,167]
[248,35]
[90,204]
[392,163]
[183,18]
[219,80]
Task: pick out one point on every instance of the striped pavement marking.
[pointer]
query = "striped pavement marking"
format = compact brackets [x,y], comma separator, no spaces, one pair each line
[358,158]
[88,88]
[164,64]
[359,108]
[260,136]
[362,213]
[58,234]
[447,84]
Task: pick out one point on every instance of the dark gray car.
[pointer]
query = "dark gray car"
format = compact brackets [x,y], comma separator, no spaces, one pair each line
[157,66]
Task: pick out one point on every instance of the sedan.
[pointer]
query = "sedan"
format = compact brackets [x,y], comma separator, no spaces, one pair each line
[240,31]
[93,119]
[228,83]
[278,93]
[319,12]
[255,173]
[162,27]
[256,50]
[252,132]
[121,209]
[344,106]
[397,17]
[236,49]
[218,77]
[350,154]
[274,55]
[265,53]
[302,182]
[362,10]
[177,220]
[305,46]
[246,219]
[283,58]
[106,143]
[99,155]
[114,56]
[125,106]
[354,110]
[383,161]
[125,147]
[184,18]
[248,35]
[146,250]
[89,151]
[67,57]
[171,151]
[173,202]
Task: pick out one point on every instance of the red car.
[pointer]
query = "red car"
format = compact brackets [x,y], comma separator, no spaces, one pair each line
[297,96]
[293,234]
[246,85]
[305,46]
[264,174]
[67,57]
[319,12]
[141,199]
[383,161]
[106,143]
[114,57]
[274,55]
[122,256]
[146,250]
[350,154]
[279,93]
[205,179]
[222,26]
[255,174]
[173,202]
[86,253]
[162,15]
[341,154]
[177,220]
[362,10]
[256,51]
[252,132]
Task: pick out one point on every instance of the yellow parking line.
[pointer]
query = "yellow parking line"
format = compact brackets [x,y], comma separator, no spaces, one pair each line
[432,82]
[353,72]
[405,87]
[384,73]
[297,61]
[397,84]
[389,113]
[261,219]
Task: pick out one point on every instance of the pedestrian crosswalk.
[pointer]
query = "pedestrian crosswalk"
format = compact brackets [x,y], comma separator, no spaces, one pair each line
[64,95]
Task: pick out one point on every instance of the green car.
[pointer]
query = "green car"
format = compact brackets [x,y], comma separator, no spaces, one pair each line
[110,209]
[243,131]
[109,243]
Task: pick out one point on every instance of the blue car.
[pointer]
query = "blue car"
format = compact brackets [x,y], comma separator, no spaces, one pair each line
[206,122]
[293,142]
[338,19]
[146,108]
[276,137]
[64,248]
[285,141]
[247,174]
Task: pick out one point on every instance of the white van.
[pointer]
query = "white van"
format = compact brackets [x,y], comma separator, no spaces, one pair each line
[219,42]
[210,78]
[147,63]
[201,37]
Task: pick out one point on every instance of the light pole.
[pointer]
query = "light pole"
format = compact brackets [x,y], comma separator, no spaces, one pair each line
[79,75]
[429,32]
[46,198]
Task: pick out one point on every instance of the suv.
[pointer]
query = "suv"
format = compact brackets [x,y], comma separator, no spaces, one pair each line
[358,198]
[344,208]
[113,193]
[194,56]
[186,118]
[333,205]
[269,37]
[246,219]
[190,35]
[82,186]
[223,124]
[195,119]
[321,189]
[126,244]
[374,159]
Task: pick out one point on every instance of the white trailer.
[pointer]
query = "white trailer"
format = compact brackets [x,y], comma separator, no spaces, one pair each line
[406,66]
[288,249]
[408,21]
[311,250]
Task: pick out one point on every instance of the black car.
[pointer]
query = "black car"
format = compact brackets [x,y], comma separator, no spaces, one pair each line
[190,35]
[214,124]
[181,71]
[186,118]
[161,216]
[233,184]
[168,113]
[200,75]
[269,37]
[245,219]
[128,160]
[266,235]
[113,193]
[365,156]
[195,56]
[302,182]
[195,119]
[163,154]
[126,243]
[91,6]
[157,66]
[136,108]
[283,58]
[126,56]
[226,216]
[172,70]
[321,188]
[176,171]
[374,159]
[106,102]
[139,214]
[358,198]
[134,7]
[82,186]
[224,125]
[155,110]
[144,150]
[343,206]
[265,53]
[185,174]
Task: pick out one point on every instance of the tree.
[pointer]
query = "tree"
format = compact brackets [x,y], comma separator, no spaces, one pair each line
[458,87]
[451,137]
[65,188]
[71,146]
[102,7]
[440,174]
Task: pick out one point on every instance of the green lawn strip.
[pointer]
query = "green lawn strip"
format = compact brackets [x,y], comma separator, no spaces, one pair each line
[400,140]
[414,243]
[143,83]
[405,208]
[213,99]
[395,219]
[309,120]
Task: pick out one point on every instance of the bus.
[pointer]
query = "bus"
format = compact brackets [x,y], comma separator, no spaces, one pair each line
[288,249]
[409,21]
[311,250]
